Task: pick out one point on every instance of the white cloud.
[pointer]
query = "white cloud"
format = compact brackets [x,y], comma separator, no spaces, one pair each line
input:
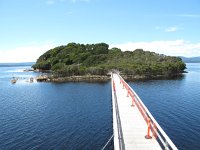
[189,15]
[171,48]
[50,2]
[168,29]
[69,13]
[158,28]
[74,1]
[31,52]
[171,29]
[28,53]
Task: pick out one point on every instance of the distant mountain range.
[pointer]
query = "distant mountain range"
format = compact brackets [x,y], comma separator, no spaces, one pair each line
[190,59]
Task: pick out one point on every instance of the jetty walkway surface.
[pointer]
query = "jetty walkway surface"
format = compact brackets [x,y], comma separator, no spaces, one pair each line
[133,125]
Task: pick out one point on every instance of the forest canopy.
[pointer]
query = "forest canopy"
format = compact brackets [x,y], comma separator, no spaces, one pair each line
[98,59]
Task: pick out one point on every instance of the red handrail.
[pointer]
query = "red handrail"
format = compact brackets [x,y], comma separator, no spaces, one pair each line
[152,124]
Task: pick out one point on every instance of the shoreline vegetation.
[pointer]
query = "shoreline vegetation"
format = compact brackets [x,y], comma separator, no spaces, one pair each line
[93,62]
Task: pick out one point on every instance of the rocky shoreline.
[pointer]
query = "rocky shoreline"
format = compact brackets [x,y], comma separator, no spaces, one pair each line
[85,78]
[155,77]
[102,78]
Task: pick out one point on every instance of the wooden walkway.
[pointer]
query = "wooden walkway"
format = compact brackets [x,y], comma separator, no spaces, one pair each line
[132,121]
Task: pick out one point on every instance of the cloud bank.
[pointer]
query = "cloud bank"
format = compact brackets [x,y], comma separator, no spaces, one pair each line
[171,48]
[28,53]
[32,52]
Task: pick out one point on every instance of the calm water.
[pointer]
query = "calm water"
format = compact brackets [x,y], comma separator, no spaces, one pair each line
[176,106]
[53,116]
[79,115]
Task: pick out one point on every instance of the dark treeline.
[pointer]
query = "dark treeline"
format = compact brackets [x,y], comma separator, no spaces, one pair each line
[98,59]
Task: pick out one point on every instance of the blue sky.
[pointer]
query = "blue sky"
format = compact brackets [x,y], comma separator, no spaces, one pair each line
[31,27]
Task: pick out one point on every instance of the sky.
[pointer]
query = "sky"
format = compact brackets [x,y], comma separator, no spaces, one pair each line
[28,28]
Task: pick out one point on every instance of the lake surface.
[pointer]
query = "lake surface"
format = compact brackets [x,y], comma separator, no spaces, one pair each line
[52,116]
[175,104]
[79,115]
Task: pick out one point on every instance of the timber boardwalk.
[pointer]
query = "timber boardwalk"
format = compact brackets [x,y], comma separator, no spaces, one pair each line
[133,125]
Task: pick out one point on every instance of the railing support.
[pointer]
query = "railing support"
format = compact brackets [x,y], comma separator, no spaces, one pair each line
[132,101]
[148,129]
[127,94]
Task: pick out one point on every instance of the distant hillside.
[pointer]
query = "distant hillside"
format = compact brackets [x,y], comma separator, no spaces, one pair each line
[190,59]
[98,59]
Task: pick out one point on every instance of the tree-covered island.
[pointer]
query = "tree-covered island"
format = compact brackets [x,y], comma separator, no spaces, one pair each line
[94,61]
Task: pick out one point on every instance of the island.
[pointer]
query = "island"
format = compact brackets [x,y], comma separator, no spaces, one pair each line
[94,62]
